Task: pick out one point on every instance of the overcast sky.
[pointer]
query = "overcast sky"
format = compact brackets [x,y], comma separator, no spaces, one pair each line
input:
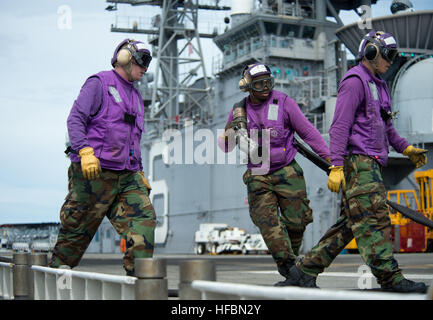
[48,49]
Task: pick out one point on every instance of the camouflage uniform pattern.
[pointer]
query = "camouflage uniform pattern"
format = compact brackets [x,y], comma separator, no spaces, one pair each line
[279,207]
[364,215]
[120,196]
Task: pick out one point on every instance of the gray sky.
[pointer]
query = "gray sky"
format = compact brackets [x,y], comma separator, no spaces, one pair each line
[43,68]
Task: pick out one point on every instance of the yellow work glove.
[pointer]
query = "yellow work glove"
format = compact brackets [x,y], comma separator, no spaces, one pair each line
[89,163]
[336,179]
[145,181]
[416,155]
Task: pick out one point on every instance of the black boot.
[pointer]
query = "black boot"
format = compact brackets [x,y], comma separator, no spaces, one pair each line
[284,269]
[299,279]
[407,286]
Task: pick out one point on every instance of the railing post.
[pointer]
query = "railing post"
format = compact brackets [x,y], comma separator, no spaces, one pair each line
[151,281]
[194,270]
[36,259]
[21,279]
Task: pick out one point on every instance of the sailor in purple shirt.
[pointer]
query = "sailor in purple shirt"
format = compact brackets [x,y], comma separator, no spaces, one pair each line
[277,196]
[105,126]
[360,136]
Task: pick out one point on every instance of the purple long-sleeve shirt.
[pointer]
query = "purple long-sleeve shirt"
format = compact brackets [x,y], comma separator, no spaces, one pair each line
[86,106]
[350,98]
[293,119]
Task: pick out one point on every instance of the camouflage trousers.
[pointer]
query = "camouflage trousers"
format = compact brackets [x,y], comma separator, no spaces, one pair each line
[364,216]
[122,197]
[279,207]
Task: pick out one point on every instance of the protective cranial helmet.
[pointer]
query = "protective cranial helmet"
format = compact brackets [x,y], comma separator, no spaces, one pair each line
[253,71]
[129,49]
[375,43]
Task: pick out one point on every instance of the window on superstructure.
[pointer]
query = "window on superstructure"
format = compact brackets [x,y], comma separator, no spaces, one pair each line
[289,30]
[228,54]
[256,43]
[237,38]
[308,32]
[251,31]
[241,49]
[284,43]
[270,27]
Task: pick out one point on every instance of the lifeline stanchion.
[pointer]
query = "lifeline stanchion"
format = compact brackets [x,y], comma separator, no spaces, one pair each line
[151,281]
[36,259]
[191,270]
[20,270]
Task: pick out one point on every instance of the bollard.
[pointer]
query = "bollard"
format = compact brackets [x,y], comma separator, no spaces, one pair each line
[151,281]
[39,259]
[36,259]
[194,270]
[21,279]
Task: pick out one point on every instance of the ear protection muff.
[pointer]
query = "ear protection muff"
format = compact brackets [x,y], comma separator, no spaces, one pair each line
[124,55]
[371,50]
[244,82]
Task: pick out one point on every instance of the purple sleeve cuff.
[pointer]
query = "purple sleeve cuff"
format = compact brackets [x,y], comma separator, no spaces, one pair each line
[338,162]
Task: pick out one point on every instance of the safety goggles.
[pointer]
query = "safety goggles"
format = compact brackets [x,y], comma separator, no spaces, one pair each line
[143,58]
[259,85]
[388,54]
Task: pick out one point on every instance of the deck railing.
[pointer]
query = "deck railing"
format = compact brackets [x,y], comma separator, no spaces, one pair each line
[63,284]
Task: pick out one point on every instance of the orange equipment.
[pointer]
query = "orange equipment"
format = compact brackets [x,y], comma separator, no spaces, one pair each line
[123,245]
